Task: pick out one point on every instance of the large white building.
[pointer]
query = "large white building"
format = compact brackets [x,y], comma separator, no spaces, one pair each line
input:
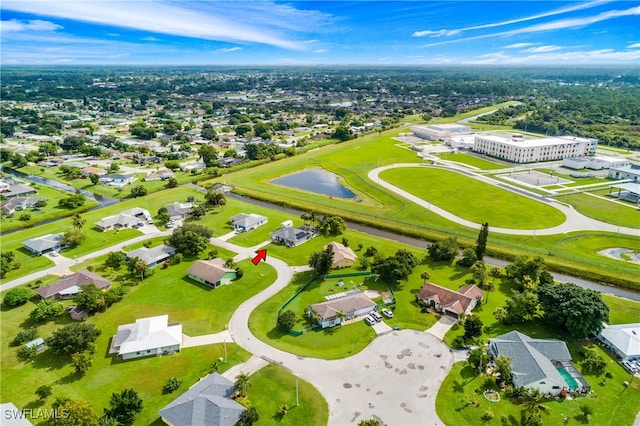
[517,149]
[595,163]
[440,132]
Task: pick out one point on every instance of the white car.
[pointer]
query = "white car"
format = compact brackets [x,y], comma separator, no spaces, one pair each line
[376,316]
[369,320]
[387,313]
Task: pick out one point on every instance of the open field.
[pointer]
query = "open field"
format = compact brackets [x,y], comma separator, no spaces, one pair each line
[473,161]
[272,386]
[48,212]
[473,200]
[605,210]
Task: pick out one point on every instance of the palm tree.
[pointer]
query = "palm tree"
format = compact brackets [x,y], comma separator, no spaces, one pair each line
[77,221]
[141,267]
[425,276]
[341,315]
[532,402]
[284,409]
[242,383]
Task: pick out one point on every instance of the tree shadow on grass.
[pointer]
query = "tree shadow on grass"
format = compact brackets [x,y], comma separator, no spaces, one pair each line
[36,403]
[49,361]
[275,333]
[69,378]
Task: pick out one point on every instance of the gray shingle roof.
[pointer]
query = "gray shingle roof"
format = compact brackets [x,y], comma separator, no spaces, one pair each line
[206,403]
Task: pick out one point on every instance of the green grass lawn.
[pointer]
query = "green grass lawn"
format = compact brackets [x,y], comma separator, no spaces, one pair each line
[460,400]
[48,212]
[605,210]
[473,161]
[273,386]
[622,311]
[474,200]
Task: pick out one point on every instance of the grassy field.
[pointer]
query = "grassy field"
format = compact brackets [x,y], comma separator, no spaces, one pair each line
[622,311]
[605,210]
[273,386]
[473,161]
[48,212]
[474,200]
[460,400]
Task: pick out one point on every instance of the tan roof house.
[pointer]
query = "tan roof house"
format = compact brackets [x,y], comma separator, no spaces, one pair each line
[69,286]
[352,304]
[450,301]
[211,272]
[343,257]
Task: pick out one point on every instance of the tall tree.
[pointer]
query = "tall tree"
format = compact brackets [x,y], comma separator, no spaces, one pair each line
[425,277]
[472,327]
[73,338]
[577,310]
[242,383]
[503,367]
[77,413]
[321,261]
[78,221]
[481,242]
[124,406]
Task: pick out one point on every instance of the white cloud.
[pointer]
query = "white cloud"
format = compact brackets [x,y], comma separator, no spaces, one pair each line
[254,22]
[602,56]
[438,33]
[518,45]
[33,25]
[543,49]
[550,26]
[150,39]
[320,51]
[441,33]
[228,49]
[634,46]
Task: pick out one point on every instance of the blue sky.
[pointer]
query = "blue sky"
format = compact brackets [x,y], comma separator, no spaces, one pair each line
[191,32]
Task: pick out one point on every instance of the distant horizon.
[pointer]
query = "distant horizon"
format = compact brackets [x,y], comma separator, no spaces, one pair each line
[271,33]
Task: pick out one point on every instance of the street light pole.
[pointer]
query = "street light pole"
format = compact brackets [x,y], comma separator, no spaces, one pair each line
[297,400]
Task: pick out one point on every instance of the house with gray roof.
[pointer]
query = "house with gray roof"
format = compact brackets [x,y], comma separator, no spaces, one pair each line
[18,190]
[352,304]
[292,237]
[179,211]
[116,179]
[68,287]
[207,403]
[154,255]
[123,220]
[543,364]
[211,272]
[246,222]
[44,244]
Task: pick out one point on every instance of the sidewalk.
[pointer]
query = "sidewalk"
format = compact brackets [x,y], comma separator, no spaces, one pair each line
[206,339]
[252,365]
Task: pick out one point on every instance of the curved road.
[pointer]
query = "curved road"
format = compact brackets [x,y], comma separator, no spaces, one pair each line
[574,220]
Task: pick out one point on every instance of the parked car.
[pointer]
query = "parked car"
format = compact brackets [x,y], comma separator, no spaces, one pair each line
[54,253]
[170,224]
[376,316]
[150,221]
[387,313]
[369,320]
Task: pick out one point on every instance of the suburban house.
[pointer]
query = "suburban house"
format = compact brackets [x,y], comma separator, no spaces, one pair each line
[78,314]
[246,222]
[154,255]
[622,339]
[44,244]
[18,204]
[291,237]
[68,287]
[161,174]
[207,403]
[17,190]
[343,257]
[179,211]
[352,304]
[90,170]
[117,180]
[126,219]
[450,301]
[543,364]
[146,337]
[211,272]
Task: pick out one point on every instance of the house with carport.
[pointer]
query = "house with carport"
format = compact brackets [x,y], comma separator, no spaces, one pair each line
[211,272]
[290,236]
[147,337]
[622,339]
[45,244]
[341,307]
[124,220]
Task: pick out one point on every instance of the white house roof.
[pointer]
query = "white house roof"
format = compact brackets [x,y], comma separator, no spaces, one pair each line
[147,333]
[625,337]
[43,243]
[153,254]
[125,218]
[246,220]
